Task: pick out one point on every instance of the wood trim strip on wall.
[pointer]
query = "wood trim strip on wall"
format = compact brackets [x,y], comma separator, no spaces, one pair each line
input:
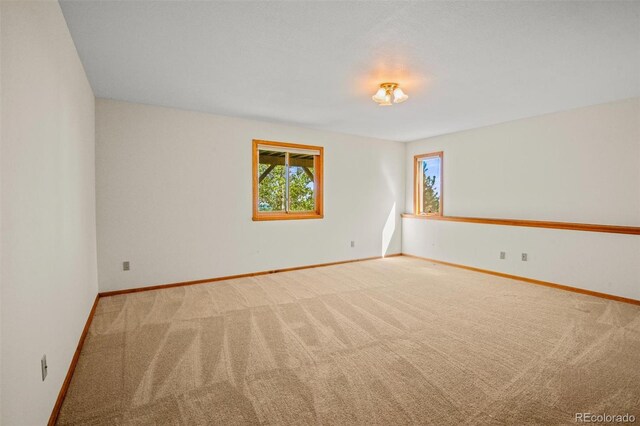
[532,280]
[72,367]
[613,229]
[233,277]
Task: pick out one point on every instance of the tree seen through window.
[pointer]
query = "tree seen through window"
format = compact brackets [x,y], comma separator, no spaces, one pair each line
[429,184]
[272,187]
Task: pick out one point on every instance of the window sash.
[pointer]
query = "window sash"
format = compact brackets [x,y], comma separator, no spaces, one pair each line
[287,196]
[419,184]
[289,150]
[291,158]
[287,180]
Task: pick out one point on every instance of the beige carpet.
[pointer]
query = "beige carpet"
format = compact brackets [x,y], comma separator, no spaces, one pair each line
[391,341]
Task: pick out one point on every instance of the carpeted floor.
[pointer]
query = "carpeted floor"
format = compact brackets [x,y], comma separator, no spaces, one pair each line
[391,341]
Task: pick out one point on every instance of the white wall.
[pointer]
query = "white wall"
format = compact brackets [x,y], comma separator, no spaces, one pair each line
[174,197]
[581,165]
[49,278]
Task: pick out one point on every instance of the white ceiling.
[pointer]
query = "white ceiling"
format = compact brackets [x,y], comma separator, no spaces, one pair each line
[316,64]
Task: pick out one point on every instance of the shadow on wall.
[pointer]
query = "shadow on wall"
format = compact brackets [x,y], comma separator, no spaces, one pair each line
[388,230]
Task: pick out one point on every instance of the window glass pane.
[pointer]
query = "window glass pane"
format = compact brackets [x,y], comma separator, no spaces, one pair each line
[430,185]
[301,183]
[271,181]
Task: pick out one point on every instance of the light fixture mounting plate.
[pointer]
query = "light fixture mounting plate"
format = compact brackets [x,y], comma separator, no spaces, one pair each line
[389,86]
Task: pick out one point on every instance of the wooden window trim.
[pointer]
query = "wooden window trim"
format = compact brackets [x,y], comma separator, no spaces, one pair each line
[417,173]
[317,184]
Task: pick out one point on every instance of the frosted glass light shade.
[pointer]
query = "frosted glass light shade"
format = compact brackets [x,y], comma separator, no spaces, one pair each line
[387,100]
[380,95]
[399,96]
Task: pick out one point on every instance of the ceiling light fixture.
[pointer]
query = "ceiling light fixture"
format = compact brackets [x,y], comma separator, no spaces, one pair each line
[388,92]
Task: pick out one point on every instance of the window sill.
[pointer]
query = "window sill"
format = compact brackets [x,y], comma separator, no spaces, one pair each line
[422,215]
[286,216]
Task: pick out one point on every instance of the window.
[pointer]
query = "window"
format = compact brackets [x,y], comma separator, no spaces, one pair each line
[428,184]
[287,181]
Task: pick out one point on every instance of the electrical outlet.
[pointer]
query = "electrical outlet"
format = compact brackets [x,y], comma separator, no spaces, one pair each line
[503,255]
[353,243]
[125,266]
[44,367]
[524,257]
